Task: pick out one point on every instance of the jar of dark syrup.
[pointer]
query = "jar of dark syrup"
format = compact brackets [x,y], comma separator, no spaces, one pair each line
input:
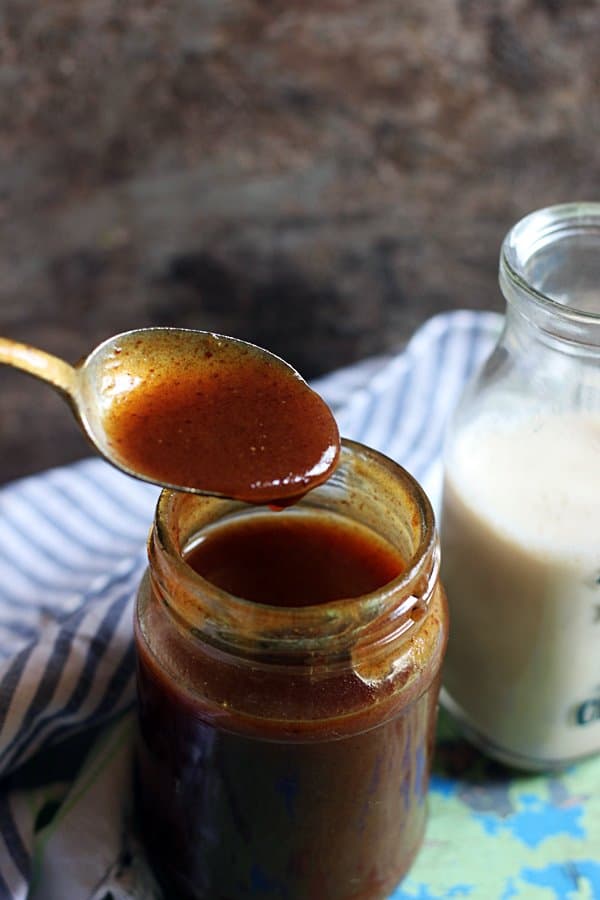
[288,675]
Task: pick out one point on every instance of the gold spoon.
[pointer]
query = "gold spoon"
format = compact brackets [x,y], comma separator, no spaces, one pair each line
[147,361]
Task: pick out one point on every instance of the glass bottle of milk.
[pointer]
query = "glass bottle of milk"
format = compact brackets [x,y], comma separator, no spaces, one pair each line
[520,523]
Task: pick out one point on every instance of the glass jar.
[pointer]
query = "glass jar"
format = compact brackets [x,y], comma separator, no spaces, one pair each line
[521,506]
[285,752]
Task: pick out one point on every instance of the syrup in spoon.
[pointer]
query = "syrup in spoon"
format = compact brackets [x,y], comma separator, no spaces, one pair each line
[195,411]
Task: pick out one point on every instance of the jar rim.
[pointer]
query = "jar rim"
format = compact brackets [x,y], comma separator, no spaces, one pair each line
[533,233]
[310,625]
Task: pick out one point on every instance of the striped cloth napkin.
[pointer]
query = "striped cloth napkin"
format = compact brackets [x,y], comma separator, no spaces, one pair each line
[72,551]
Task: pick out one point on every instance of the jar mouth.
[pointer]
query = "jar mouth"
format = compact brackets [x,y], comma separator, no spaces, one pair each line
[552,257]
[226,619]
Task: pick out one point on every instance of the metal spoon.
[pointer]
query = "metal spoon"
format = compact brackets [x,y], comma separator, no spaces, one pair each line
[133,361]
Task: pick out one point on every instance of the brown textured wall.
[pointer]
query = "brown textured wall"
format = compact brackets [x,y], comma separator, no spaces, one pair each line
[318,177]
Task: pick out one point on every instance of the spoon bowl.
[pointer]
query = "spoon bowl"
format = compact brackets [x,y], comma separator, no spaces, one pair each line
[194,411]
[136,359]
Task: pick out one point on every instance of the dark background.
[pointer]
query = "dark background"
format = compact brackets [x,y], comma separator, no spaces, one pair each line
[317,177]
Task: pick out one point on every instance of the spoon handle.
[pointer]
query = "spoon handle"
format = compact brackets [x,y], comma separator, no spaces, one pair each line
[41,365]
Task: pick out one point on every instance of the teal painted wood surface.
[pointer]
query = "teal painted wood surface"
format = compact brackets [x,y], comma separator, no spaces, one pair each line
[498,834]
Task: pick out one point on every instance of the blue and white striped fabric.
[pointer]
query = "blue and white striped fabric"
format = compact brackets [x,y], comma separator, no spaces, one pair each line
[72,551]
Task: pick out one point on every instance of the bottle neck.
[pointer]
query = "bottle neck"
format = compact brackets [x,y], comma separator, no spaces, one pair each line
[550,277]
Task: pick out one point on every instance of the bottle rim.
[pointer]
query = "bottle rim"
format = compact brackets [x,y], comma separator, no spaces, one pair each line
[535,232]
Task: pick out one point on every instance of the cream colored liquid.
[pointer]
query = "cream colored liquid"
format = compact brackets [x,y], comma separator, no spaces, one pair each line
[521,566]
